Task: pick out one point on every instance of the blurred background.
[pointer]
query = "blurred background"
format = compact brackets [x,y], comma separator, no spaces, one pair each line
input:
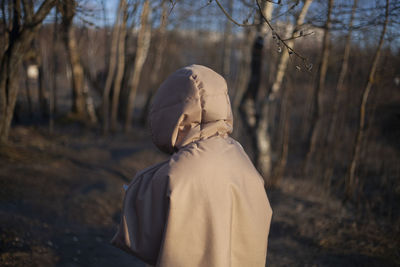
[315,92]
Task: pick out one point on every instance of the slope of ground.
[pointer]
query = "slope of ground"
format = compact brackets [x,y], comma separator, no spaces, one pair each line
[60,198]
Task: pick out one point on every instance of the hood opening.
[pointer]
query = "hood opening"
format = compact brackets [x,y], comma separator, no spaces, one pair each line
[190,105]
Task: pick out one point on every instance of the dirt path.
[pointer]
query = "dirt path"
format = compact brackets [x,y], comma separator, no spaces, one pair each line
[60,199]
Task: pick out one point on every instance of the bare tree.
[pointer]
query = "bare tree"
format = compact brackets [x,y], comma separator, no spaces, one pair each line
[342,74]
[53,87]
[143,44]
[315,120]
[279,167]
[243,77]
[111,67]
[121,63]
[351,180]
[248,104]
[160,45]
[68,10]
[262,138]
[339,92]
[28,90]
[36,56]
[23,30]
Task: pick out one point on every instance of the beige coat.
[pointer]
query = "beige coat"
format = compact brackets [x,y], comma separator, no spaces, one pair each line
[205,206]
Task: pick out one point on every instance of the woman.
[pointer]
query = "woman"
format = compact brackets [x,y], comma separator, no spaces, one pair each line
[206,205]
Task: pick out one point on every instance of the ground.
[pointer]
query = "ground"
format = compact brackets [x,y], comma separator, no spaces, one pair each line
[61,196]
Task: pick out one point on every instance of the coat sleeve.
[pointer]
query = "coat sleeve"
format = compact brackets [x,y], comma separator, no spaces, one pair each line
[144,214]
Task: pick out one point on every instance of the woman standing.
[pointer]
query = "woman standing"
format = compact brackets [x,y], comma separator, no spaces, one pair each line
[205,206]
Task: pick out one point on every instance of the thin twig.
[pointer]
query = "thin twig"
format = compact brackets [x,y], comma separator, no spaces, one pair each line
[230,17]
[301,35]
[274,33]
[290,49]
[172,7]
[287,11]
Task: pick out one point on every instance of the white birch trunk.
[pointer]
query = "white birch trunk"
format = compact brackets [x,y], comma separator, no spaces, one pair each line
[143,44]
[111,70]
[120,66]
[264,159]
[351,180]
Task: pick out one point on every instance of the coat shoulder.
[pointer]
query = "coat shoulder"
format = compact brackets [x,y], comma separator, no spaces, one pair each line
[221,158]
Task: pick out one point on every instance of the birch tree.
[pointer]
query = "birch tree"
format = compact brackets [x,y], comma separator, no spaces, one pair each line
[248,105]
[342,75]
[143,44]
[53,87]
[111,68]
[332,129]
[262,137]
[68,10]
[160,45]
[121,63]
[351,180]
[315,120]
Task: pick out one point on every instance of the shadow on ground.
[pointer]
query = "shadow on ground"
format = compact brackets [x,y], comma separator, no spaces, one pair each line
[60,198]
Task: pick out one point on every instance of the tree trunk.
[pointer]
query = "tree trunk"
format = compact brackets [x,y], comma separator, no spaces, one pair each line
[342,76]
[332,129]
[351,180]
[42,88]
[53,88]
[244,69]
[120,66]
[89,105]
[315,121]
[160,47]
[28,91]
[111,69]
[143,44]
[248,104]
[20,39]
[5,28]
[68,10]
[263,139]
[279,169]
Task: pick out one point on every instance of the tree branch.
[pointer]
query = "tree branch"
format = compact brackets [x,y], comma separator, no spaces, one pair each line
[278,37]
[28,10]
[43,11]
[230,17]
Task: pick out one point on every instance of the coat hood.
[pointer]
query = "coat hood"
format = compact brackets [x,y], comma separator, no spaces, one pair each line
[191,105]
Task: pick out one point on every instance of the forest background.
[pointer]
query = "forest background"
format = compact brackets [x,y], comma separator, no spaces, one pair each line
[315,91]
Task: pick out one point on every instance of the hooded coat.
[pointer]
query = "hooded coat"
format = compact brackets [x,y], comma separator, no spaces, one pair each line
[206,205]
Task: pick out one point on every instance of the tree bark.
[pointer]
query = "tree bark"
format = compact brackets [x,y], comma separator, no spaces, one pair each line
[43,97]
[68,10]
[342,75]
[143,44]
[332,129]
[53,87]
[248,104]
[28,91]
[315,121]
[20,39]
[279,168]
[111,69]
[120,66]
[245,63]
[351,180]
[160,47]
[5,29]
